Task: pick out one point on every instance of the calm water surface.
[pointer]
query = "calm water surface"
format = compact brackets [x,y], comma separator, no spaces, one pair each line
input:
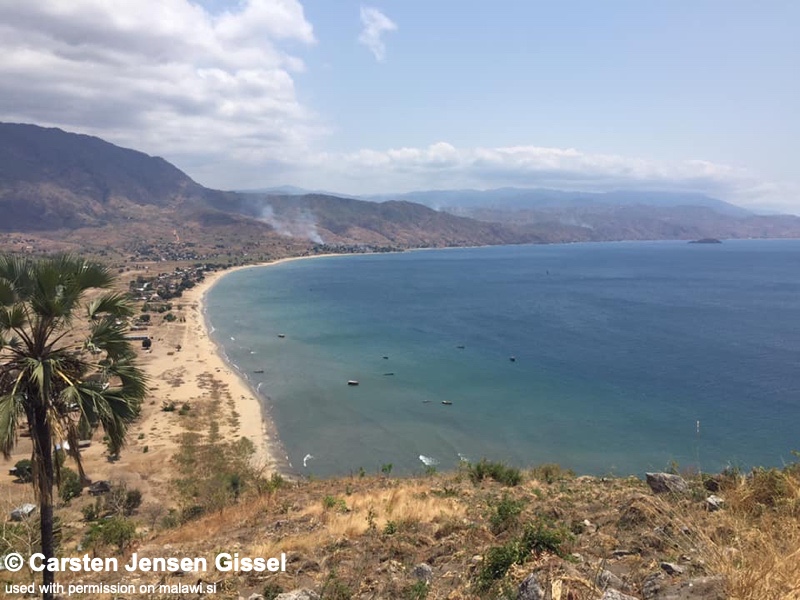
[620,350]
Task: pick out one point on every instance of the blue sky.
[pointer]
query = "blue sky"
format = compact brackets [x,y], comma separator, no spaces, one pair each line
[410,94]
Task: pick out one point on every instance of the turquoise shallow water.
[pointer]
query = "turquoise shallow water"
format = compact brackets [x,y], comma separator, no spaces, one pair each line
[620,350]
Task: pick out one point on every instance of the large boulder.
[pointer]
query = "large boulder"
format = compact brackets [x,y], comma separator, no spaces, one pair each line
[662,483]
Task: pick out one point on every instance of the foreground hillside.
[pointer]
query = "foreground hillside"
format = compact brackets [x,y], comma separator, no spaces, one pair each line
[550,536]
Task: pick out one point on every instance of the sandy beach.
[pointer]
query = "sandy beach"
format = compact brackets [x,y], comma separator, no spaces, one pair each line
[184,353]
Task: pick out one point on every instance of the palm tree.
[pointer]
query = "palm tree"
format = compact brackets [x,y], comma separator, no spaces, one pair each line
[60,375]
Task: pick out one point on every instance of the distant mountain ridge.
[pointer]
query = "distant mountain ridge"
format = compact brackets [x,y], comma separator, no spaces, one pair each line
[538,198]
[55,181]
[60,184]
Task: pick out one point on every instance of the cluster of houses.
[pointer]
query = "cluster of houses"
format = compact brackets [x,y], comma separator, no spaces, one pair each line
[166,286]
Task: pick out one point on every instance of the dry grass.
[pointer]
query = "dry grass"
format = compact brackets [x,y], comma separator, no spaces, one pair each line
[758,550]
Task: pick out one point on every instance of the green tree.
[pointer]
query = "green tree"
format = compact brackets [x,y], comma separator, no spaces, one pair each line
[52,383]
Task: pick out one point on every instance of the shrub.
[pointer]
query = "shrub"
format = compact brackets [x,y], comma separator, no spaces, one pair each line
[536,538]
[330,502]
[91,512]
[390,528]
[133,500]
[496,563]
[335,589]
[70,486]
[551,472]
[506,514]
[271,591]
[542,536]
[118,532]
[24,470]
[416,591]
[501,473]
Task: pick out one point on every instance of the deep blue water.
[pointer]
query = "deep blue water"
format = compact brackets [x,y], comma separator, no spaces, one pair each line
[620,348]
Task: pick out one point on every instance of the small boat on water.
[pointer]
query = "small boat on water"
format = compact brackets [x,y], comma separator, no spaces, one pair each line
[426,401]
[460,347]
[281,335]
[388,374]
[385,358]
[258,371]
[446,402]
[352,382]
[513,358]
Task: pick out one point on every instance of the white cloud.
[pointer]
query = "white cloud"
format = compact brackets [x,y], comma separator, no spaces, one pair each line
[443,166]
[163,76]
[375,24]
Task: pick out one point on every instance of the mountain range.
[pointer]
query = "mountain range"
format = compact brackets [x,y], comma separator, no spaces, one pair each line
[73,187]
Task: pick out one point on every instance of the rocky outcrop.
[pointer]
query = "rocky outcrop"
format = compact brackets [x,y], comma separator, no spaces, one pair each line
[663,483]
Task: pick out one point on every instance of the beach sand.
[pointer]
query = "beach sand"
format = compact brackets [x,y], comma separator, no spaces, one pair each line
[185,367]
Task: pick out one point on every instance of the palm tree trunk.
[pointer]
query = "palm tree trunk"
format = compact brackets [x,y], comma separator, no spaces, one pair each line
[46,479]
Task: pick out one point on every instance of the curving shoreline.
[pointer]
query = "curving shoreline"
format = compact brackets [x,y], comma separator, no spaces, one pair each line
[255,421]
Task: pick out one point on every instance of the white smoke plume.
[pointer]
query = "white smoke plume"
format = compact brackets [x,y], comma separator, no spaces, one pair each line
[303,225]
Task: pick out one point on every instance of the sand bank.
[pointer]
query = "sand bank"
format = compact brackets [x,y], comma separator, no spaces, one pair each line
[200,358]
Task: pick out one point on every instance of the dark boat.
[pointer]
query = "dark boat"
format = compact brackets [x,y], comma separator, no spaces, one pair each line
[258,371]
[446,402]
[352,382]
[281,335]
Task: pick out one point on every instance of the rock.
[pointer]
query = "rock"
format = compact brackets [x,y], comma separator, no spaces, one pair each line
[302,594]
[99,487]
[619,553]
[530,589]
[714,503]
[607,579]
[672,568]
[697,588]
[423,572]
[612,594]
[652,585]
[712,483]
[662,483]
[256,597]
[22,512]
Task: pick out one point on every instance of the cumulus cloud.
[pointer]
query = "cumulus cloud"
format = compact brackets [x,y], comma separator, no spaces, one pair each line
[164,76]
[375,25]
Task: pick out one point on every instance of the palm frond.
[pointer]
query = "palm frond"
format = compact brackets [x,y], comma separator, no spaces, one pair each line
[12,317]
[7,294]
[10,411]
[106,335]
[112,304]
